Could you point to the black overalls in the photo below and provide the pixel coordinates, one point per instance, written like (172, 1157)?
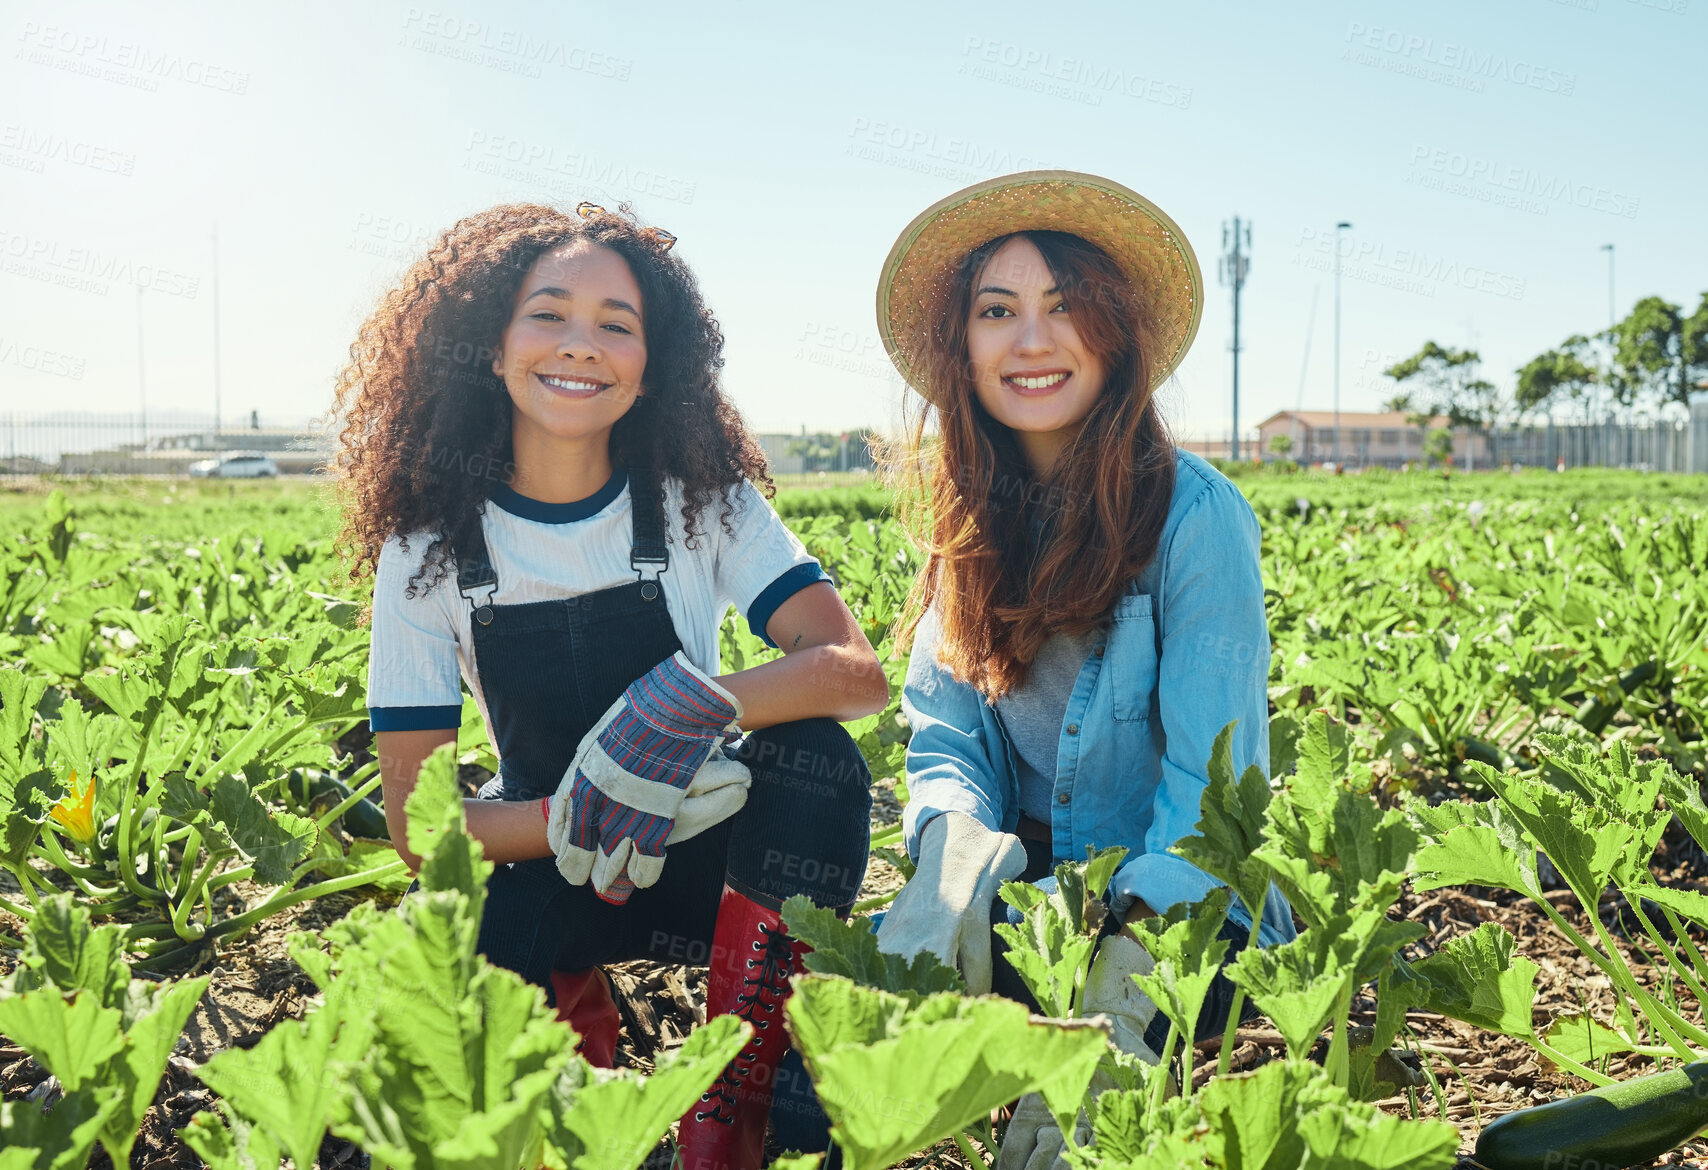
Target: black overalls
(548, 671)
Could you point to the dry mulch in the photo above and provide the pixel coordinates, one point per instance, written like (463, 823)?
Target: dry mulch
(255, 984)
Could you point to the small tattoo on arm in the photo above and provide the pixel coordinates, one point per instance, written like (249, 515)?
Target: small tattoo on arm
(796, 642)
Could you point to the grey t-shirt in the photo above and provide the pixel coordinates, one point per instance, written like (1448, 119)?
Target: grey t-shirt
(1032, 714)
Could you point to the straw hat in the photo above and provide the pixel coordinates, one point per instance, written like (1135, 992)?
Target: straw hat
(1147, 245)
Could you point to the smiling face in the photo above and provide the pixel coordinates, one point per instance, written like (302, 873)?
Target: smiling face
(1030, 368)
(574, 352)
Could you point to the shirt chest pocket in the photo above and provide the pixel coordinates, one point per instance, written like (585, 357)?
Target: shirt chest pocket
(1131, 666)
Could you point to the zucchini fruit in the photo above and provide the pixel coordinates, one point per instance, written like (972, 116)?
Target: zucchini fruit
(362, 819)
(1608, 1129)
(1596, 711)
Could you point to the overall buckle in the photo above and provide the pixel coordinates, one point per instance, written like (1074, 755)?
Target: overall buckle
(640, 562)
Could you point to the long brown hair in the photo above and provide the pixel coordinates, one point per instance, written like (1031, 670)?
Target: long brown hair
(426, 423)
(975, 505)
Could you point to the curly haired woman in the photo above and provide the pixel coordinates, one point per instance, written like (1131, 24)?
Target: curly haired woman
(1090, 612)
(556, 501)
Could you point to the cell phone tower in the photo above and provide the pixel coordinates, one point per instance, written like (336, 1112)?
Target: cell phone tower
(1235, 263)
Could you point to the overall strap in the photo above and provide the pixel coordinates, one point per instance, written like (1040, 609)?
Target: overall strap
(648, 548)
(475, 574)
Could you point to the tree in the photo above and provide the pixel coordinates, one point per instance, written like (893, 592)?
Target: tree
(1439, 446)
(1449, 385)
(1281, 445)
(1659, 352)
(1557, 374)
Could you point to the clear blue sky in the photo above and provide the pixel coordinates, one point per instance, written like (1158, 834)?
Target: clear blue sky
(1484, 150)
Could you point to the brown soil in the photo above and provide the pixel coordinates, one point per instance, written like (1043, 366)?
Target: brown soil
(254, 984)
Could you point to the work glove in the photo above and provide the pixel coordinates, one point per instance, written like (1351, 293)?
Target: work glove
(945, 906)
(1034, 1140)
(617, 805)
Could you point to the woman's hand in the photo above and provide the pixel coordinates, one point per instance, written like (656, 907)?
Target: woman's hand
(618, 801)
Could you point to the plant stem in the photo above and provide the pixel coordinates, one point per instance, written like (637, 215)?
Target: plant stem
(1669, 953)
(26, 882)
(874, 903)
(54, 855)
(1662, 1017)
(1159, 1087)
(283, 901)
(187, 930)
(1225, 1060)
(347, 803)
(1337, 1064)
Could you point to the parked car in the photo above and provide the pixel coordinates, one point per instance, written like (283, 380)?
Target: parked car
(236, 465)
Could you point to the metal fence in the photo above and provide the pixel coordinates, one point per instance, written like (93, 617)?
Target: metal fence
(1665, 445)
(164, 442)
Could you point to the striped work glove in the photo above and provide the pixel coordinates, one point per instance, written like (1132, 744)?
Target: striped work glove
(620, 797)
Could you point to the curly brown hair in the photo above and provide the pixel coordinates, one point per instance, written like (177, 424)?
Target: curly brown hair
(1001, 592)
(426, 423)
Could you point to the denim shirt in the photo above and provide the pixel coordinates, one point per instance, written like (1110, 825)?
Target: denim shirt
(1186, 651)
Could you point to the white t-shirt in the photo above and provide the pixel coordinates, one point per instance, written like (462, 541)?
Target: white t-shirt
(421, 646)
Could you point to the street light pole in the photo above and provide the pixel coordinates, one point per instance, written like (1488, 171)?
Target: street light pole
(1601, 422)
(216, 332)
(1235, 264)
(141, 381)
(1338, 228)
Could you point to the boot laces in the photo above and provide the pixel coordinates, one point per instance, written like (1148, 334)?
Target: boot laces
(776, 963)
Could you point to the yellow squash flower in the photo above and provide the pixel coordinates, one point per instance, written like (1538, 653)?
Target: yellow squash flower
(76, 812)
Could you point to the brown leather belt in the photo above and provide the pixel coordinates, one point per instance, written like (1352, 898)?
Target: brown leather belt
(1032, 830)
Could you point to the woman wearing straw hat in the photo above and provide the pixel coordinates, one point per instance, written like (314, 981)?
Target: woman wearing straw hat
(1090, 612)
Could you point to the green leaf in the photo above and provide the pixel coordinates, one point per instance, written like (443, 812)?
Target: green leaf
(1584, 1040)
(1254, 1116)
(273, 839)
(1230, 828)
(239, 1146)
(57, 1140)
(896, 1078)
(149, 1040)
(1585, 843)
(850, 949)
(75, 1039)
(64, 949)
(1478, 978)
(1331, 847)
(1187, 955)
(25, 809)
(1688, 904)
(435, 813)
(1049, 954)
(1476, 845)
(617, 1120)
(1298, 984)
(1350, 1136)
(20, 695)
(287, 1084)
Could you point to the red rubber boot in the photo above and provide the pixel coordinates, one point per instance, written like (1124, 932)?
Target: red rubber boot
(752, 959)
(584, 1002)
